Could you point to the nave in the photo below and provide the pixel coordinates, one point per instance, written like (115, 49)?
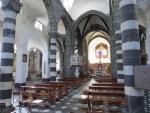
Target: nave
(77, 100)
(42, 41)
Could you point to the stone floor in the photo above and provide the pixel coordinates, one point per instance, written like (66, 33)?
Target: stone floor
(68, 104)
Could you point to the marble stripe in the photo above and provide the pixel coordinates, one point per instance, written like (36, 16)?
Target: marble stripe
(52, 60)
(119, 42)
(5, 85)
(6, 62)
(131, 91)
(8, 40)
(117, 31)
(119, 61)
(7, 55)
(120, 72)
(63, 107)
(5, 94)
(119, 52)
(53, 52)
(126, 2)
(6, 101)
(53, 40)
(130, 24)
(128, 70)
(7, 48)
(10, 14)
(6, 77)
(131, 54)
(120, 80)
(8, 32)
(6, 69)
(52, 64)
(130, 35)
(52, 56)
(10, 20)
(120, 66)
(129, 80)
(8, 25)
(53, 47)
(53, 69)
(134, 45)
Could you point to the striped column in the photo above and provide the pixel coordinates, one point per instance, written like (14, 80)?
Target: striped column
(118, 42)
(131, 54)
(53, 72)
(11, 8)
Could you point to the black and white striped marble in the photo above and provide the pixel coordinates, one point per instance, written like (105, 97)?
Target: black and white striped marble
(7, 53)
(131, 54)
(53, 45)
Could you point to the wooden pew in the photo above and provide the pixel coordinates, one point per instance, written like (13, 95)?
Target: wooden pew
(38, 92)
(100, 94)
(60, 88)
(99, 88)
(72, 82)
(106, 79)
(107, 84)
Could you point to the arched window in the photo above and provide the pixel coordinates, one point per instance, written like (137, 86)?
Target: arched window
(142, 44)
(38, 25)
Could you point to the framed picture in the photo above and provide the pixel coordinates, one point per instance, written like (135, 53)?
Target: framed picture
(24, 58)
(75, 60)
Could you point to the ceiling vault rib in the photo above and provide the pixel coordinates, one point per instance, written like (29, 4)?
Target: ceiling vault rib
(86, 24)
(104, 23)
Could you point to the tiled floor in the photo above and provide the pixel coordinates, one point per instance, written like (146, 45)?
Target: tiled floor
(68, 104)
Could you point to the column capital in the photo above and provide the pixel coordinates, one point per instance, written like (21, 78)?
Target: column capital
(12, 4)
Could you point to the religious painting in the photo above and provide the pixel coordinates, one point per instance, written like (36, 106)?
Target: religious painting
(101, 51)
(24, 58)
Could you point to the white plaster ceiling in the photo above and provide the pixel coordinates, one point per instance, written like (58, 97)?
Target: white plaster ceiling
(36, 8)
(80, 7)
(75, 7)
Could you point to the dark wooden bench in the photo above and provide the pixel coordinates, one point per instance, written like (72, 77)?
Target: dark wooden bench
(99, 88)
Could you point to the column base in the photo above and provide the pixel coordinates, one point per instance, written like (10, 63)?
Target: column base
(18, 85)
(136, 104)
(52, 78)
(45, 79)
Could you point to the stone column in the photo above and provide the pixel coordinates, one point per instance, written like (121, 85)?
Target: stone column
(53, 72)
(67, 56)
(11, 8)
(131, 54)
(113, 56)
(118, 43)
(80, 52)
(61, 63)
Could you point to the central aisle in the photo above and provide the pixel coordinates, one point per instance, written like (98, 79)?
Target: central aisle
(69, 103)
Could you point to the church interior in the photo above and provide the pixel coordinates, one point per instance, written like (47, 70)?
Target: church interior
(74, 56)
